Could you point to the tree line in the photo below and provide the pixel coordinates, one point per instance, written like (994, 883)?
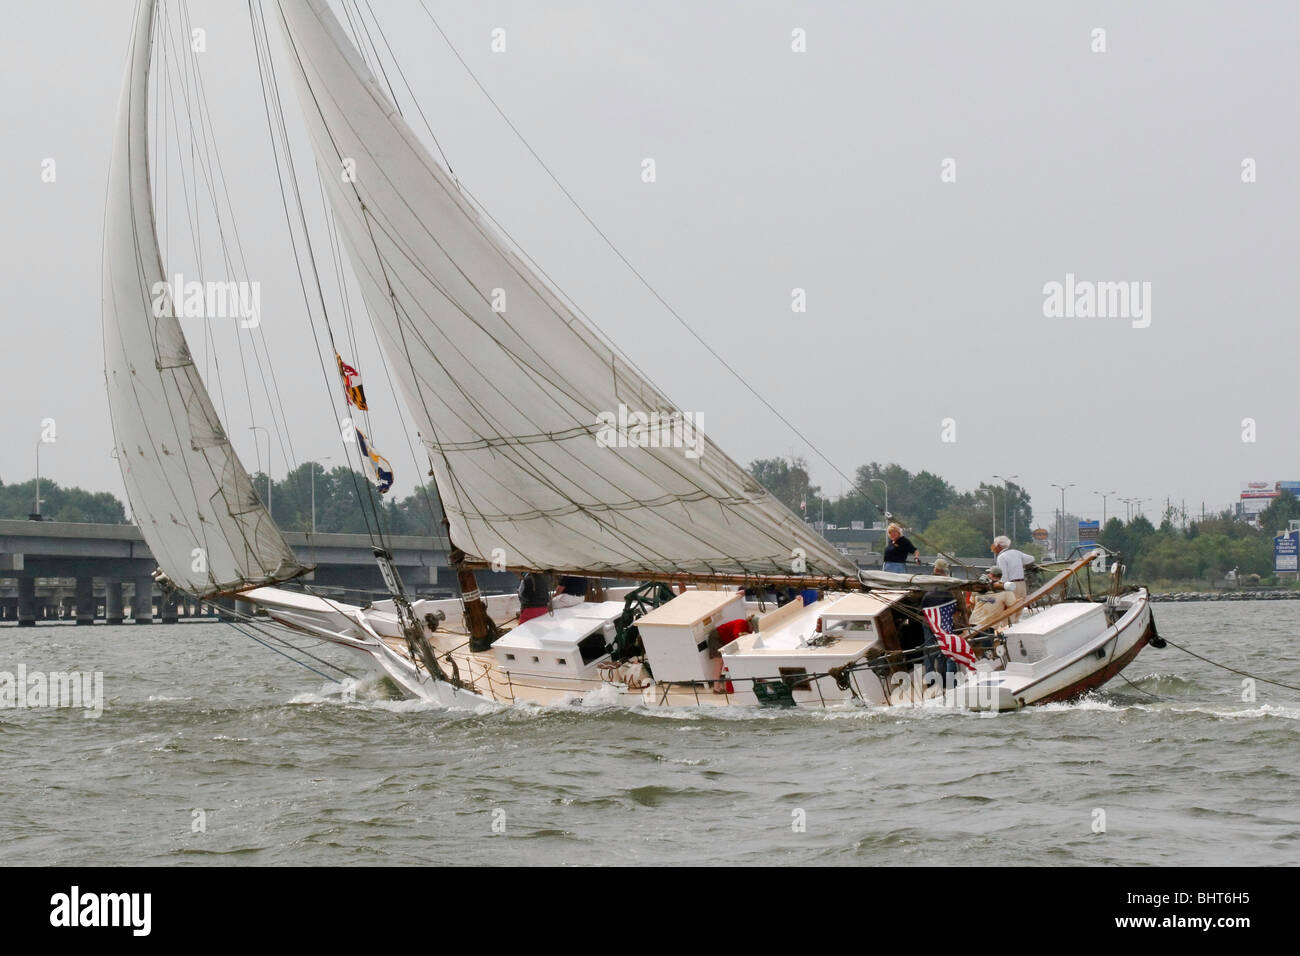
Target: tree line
(941, 518)
(339, 496)
(958, 522)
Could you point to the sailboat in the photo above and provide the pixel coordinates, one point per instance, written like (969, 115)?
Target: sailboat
(512, 393)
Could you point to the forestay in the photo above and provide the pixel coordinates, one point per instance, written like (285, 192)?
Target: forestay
(507, 385)
(190, 495)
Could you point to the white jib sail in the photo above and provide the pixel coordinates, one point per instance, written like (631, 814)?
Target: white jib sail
(191, 497)
(532, 423)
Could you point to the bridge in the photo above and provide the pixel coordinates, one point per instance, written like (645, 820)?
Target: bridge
(52, 571)
(60, 570)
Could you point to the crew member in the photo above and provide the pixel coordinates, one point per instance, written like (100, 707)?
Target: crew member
(936, 662)
(1013, 564)
(992, 603)
(571, 590)
(534, 596)
(899, 550)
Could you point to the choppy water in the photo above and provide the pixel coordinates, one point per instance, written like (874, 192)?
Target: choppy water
(285, 770)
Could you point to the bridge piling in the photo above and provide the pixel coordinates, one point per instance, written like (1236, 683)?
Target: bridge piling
(142, 600)
(85, 599)
(113, 602)
(26, 601)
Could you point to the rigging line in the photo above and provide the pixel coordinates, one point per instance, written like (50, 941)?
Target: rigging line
(378, 60)
(1141, 690)
(340, 274)
(190, 186)
(212, 180)
(435, 514)
(216, 174)
(240, 630)
(356, 34)
(271, 97)
(1262, 680)
(216, 207)
(627, 262)
(285, 643)
(250, 621)
(375, 504)
(409, 91)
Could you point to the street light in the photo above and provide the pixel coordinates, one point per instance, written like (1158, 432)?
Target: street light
(36, 515)
(993, 507)
(1006, 482)
(1104, 496)
(886, 484)
(1061, 536)
(313, 490)
(257, 451)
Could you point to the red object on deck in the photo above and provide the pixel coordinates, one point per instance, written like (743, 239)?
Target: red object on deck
(528, 613)
(730, 630)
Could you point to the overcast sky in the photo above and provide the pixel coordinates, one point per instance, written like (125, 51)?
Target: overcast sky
(776, 170)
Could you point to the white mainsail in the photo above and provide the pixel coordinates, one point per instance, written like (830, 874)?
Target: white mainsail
(192, 499)
(507, 385)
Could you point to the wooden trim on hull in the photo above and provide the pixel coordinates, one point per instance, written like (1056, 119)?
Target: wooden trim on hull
(1093, 681)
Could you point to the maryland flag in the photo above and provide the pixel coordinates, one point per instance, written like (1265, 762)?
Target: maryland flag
(352, 386)
(378, 470)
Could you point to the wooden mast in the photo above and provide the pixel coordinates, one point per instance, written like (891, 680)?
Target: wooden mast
(482, 629)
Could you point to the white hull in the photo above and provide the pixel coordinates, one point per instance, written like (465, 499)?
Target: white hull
(1085, 655)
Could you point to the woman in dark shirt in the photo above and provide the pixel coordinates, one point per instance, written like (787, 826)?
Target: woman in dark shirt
(899, 550)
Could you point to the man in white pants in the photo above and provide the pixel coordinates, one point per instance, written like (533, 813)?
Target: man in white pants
(1012, 563)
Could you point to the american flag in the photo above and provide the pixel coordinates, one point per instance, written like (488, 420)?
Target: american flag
(953, 645)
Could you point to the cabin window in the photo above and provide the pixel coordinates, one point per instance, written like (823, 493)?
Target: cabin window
(510, 657)
(592, 647)
(560, 661)
(537, 660)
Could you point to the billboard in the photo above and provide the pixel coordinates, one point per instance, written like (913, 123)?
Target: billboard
(1259, 489)
(1286, 551)
(1088, 530)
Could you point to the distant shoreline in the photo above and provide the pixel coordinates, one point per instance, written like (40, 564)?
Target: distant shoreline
(1244, 595)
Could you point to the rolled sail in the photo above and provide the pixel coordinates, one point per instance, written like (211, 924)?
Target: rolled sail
(548, 450)
(191, 497)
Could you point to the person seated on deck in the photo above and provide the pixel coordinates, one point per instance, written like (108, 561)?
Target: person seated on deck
(992, 603)
(570, 591)
(534, 596)
(898, 550)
